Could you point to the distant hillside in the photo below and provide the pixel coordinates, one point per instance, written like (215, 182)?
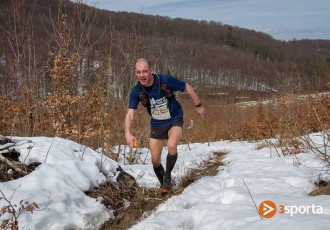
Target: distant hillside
(210, 55)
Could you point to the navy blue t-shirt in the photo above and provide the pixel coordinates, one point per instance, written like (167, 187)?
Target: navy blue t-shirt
(163, 113)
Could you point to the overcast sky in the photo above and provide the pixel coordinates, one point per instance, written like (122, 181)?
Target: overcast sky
(282, 19)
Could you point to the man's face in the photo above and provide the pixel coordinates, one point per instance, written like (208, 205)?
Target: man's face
(144, 73)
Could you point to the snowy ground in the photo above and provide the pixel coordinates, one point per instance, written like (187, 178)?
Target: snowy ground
(228, 200)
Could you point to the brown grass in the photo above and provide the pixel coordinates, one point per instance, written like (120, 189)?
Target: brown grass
(91, 120)
(323, 188)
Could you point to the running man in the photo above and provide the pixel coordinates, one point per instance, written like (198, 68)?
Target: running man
(156, 93)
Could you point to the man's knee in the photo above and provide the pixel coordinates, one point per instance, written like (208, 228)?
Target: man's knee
(172, 147)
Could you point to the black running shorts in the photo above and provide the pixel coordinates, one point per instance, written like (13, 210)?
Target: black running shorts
(162, 133)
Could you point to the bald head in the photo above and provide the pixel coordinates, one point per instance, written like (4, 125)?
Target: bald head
(143, 61)
(143, 71)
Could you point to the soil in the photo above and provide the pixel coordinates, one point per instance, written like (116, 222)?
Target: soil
(143, 201)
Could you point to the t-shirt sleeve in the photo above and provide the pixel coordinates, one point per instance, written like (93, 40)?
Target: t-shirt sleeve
(134, 98)
(174, 83)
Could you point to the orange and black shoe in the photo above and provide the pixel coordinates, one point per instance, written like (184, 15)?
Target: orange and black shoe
(166, 187)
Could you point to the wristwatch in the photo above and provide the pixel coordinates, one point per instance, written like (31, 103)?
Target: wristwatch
(199, 105)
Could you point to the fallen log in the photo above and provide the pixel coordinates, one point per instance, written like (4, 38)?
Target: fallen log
(15, 167)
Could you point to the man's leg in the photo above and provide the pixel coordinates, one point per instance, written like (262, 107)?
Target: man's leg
(174, 136)
(156, 147)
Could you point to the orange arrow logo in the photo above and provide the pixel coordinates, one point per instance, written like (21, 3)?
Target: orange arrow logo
(267, 209)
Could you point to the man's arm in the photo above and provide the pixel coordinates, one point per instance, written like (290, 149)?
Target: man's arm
(191, 92)
(128, 122)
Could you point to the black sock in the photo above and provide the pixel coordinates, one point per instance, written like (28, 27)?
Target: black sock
(170, 162)
(159, 171)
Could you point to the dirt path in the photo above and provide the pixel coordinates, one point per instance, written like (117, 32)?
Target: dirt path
(143, 201)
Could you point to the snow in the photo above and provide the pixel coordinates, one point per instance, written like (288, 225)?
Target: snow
(228, 200)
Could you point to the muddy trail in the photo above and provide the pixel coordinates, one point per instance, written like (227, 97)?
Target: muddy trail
(132, 204)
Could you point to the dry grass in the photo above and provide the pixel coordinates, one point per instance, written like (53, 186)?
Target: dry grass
(92, 120)
(323, 188)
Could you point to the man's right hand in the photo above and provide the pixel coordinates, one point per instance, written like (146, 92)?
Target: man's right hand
(130, 139)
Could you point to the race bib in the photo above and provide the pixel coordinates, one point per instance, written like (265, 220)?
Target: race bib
(159, 109)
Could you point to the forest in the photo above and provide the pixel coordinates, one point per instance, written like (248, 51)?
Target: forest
(66, 70)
